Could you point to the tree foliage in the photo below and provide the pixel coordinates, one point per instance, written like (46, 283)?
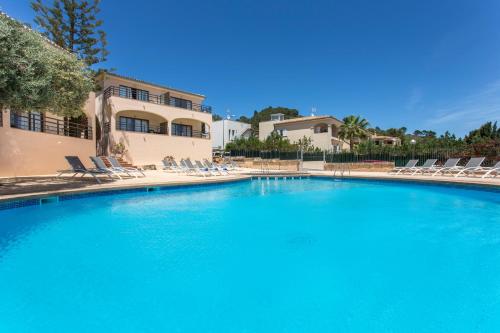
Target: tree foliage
(35, 75)
(265, 115)
(354, 127)
(73, 25)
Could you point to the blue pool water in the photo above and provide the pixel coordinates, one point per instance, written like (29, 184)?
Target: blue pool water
(259, 256)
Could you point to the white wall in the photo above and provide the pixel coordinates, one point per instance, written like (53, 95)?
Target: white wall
(225, 131)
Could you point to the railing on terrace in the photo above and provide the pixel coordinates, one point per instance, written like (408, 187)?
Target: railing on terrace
(400, 159)
(1, 117)
(156, 99)
(37, 122)
(151, 128)
(193, 134)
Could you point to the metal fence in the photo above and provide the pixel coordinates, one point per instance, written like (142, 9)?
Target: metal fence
(400, 159)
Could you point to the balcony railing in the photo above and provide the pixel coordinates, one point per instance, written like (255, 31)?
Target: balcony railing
(193, 134)
(37, 122)
(156, 99)
(150, 129)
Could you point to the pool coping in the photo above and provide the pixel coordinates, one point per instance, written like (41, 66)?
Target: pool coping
(33, 199)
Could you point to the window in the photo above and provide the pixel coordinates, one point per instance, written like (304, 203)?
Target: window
(181, 103)
(182, 130)
(128, 92)
(321, 128)
(30, 121)
(133, 124)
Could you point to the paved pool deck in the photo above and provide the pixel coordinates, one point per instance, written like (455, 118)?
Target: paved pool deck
(13, 189)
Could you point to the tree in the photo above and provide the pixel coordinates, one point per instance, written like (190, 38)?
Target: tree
(354, 127)
(487, 132)
(216, 117)
(265, 115)
(35, 75)
(73, 25)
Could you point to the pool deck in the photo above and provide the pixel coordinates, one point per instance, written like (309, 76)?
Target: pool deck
(21, 188)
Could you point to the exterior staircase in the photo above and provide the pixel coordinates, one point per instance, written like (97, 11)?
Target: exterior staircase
(123, 163)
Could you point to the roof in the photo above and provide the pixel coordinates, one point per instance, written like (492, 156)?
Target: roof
(151, 84)
(385, 137)
(307, 119)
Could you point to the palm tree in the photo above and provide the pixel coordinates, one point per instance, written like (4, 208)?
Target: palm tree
(354, 127)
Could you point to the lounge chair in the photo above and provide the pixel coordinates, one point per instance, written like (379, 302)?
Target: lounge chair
(175, 167)
(116, 165)
(407, 168)
(428, 166)
(212, 171)
(101, 166)
(449, 166)
(77, 167)
(196, 170)
(474, 164)
(223, 170)
(490, 170)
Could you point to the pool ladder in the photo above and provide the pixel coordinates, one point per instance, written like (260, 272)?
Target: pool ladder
(343, 168)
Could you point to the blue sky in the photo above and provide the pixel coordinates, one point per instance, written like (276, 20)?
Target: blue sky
(420, 64)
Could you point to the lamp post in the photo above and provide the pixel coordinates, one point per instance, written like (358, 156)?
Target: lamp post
(413, 142)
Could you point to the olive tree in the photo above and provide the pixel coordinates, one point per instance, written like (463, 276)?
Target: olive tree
(36, 75)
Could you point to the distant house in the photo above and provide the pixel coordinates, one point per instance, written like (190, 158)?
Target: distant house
(384, 140)
(226, 130)
(322, 130)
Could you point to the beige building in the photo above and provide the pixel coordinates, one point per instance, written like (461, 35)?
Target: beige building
(152, 121)
(322, 130)
(34, 143)
(384, 140)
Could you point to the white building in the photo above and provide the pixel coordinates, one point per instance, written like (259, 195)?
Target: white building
(225, 131)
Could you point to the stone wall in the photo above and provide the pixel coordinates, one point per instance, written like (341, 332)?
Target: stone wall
(361, 166)
(252, 163)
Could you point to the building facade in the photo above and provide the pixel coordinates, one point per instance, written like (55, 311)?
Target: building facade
(226, 130)
(322, 130)
(35, 143)
(151, 121)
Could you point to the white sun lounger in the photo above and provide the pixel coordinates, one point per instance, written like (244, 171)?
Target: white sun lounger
(116, 165)
(474, 164)
(410, 166)
(449, 166)
(428, 166)
(490, 170)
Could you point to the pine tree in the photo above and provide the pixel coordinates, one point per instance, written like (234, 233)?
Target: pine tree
(73, 25)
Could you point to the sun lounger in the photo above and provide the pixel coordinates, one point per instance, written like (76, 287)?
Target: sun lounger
(428, 166)
(196, 170)
(77, 168)
(449, 166)
(474, 164)
(491, 170)
(220, 169)
(407, 168)
(116, 165)
(101, 166)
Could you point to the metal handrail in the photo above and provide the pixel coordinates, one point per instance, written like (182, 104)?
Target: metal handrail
(194, 134)
(145, 96)
(151, 129)
(44, 124)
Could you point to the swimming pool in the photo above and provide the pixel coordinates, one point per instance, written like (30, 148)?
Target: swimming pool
(309, 255)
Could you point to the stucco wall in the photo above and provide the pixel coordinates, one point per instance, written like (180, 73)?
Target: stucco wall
(147, 148)
(27, 153)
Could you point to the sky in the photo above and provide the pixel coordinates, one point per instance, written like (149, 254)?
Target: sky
(420, 64)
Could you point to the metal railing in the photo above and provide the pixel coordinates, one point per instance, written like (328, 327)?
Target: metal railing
(193, 134)
(150, 129)
(156, 99)
(36, 122)
(400, 159)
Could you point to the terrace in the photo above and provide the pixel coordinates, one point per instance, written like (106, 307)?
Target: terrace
(163, 99)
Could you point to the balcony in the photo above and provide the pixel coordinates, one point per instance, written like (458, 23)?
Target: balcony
(38, 122)
(193, 134)
(145, 96)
